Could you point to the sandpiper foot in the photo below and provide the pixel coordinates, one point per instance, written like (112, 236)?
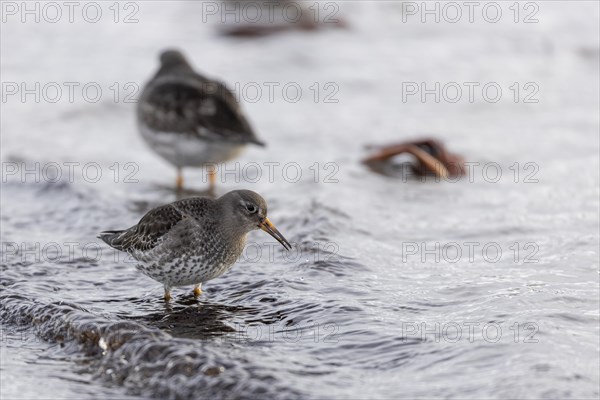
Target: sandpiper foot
(197, 290)
(212, 179)
(167, 296)
(179, 180)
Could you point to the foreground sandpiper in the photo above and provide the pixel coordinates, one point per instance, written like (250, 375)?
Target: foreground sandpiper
(189, 120)
(194, 240)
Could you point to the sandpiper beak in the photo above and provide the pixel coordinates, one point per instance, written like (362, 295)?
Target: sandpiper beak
(258, 142)
(268, 227)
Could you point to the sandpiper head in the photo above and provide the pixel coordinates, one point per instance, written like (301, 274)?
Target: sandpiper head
(248, 211)
(172, 58)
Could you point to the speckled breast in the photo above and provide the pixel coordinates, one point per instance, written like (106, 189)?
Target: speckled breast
(188, 257)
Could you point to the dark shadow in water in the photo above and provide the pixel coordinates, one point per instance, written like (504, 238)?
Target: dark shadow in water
(192, 319)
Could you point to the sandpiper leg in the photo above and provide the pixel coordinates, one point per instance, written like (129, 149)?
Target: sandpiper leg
(179, 180)
(197, 290)
(212, 177)
(167, 293)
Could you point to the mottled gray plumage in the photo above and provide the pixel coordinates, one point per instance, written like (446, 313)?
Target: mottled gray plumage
(193, 240)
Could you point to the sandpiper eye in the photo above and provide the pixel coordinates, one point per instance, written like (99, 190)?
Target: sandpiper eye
(251, 208)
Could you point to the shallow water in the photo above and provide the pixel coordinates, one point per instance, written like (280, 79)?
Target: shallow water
(366, 305)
